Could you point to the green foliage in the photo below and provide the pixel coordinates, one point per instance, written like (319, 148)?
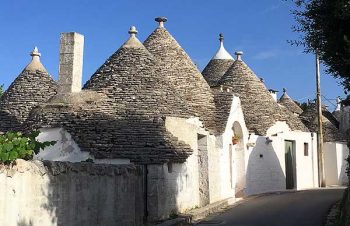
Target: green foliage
(346, 102)
(15, 145)
(1, 89)
(324, 26)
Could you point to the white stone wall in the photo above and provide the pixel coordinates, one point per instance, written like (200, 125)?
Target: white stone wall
(265, 161)
(33, 194)
(66, 149)
(178, 191)
(335, 155)
(187, 130)
(238, 152)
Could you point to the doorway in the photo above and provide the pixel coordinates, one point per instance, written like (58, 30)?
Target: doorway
(289, 147)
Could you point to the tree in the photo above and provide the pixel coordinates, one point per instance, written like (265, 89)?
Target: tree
(324, 25)
(1, 89)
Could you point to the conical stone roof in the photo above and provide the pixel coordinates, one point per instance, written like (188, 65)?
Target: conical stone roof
(259, 109)
(218, 65)
(130, 76)
(120, 112)
(31, 88)
(289, 103)
(177, 67)
(330, 132)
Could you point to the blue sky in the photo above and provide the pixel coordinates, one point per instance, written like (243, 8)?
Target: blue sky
(259, 28)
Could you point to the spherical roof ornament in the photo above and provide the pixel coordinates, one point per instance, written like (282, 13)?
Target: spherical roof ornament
(132, 31)
(161, 20)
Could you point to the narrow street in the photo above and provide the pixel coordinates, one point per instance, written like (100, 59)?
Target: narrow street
(303, 208)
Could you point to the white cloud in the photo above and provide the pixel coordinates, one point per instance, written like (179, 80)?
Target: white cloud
(266, 55)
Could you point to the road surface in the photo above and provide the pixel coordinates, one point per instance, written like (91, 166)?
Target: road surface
(302, 208)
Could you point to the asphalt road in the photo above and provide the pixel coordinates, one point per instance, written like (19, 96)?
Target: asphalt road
(302, 208)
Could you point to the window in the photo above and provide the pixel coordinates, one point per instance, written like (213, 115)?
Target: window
(306, 149)
(170, 167)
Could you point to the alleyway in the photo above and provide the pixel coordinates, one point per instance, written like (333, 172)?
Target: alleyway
(304, 208)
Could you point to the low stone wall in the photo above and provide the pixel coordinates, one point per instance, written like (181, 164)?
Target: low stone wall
(60, 193)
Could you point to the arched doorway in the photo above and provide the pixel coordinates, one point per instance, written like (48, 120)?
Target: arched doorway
(238, 159)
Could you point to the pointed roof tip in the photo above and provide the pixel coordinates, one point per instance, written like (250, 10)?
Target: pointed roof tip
(35, 52)
(133, 41)
(161, 20)
(222, 54)
(221, 37)
(35, 64)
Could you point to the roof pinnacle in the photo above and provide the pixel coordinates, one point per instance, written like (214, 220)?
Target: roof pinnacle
(161, 20)
(35, 52)
(132, 31)
(284, 90)
(239, 55)
(221, 37)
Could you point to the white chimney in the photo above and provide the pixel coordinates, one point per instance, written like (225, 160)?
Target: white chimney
(273, 94)
(71, 62)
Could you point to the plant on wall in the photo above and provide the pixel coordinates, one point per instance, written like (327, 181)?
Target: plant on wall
(235, 139)
(15, 145)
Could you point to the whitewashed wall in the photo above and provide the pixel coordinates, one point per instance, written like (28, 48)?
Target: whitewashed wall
(182, 184)
(265, 161)
(238, 152)
(66, 149)
(56, 193)
(335, 155)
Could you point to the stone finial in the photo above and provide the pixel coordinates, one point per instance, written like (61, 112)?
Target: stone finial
(284, 90)
(132, 31)
(261, 79)
(161, 20)
(221, 37)
(35, 64)
(239, 55)
(35, 52)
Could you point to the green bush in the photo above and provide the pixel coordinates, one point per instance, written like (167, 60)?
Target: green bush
(15, 145)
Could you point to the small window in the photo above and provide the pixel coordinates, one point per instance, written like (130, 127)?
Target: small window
(306, 149)
(170, 167)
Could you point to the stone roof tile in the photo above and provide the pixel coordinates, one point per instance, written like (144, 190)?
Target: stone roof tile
(259, 109)
(289, 103)
(330, 132)
(32, 87)
(178, 68)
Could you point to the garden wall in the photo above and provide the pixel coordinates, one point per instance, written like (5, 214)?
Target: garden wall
(60, 193)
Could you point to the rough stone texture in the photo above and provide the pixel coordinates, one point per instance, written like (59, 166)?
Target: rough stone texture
(70, 194)
(223, 100)
(177, 67)
(121, 112)
(71, 62)
(215, 69)
(203, 164)
(289, 103)
(260, 110)
(330, 132)
(30, 89)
